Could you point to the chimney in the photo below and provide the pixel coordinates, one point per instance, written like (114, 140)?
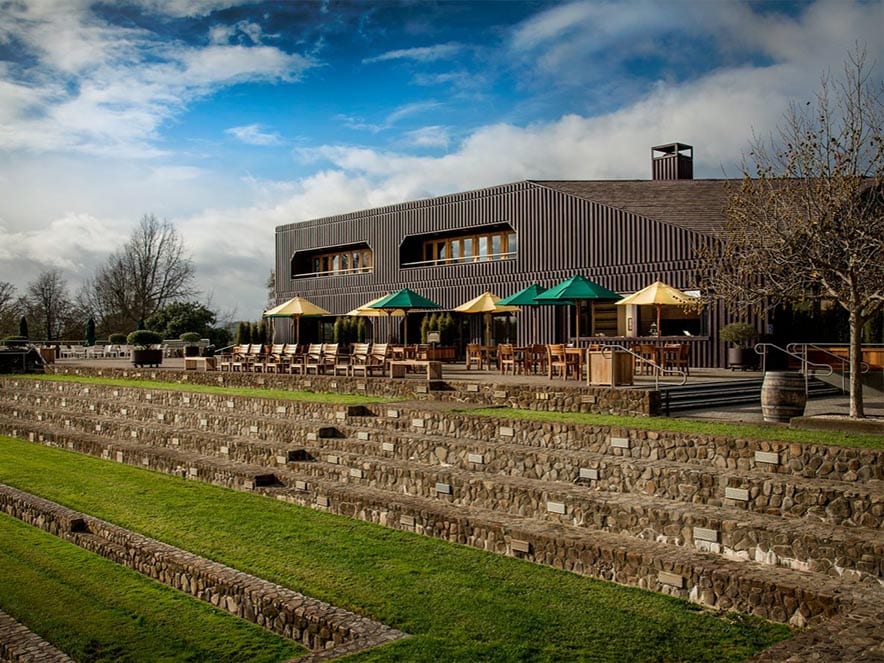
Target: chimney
(674, 161)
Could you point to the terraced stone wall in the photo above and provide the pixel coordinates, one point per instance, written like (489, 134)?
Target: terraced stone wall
(577, 398)
(316, 625)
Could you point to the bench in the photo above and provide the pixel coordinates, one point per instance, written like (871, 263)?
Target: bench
(199, 363)
(399, 367)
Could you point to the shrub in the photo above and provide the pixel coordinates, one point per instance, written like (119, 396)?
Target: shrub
(738, 333)
(143, 338)
(116, 339)
(190, 338)
(14, 340)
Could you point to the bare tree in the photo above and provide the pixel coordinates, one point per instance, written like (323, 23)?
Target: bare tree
(48, 302)
(808, 217)
(9, 310)
(150, 271)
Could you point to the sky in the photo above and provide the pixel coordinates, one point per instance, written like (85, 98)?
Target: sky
(231, 118)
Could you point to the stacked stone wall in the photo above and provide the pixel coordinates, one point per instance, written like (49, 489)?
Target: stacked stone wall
(599, 400)
(314, 624)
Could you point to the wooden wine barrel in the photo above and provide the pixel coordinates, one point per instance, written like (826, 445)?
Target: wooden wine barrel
(783, 396)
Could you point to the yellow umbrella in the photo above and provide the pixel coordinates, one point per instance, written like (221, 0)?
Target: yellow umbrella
(486, 303)
(366, 310)
(659, 294)
(295, 308)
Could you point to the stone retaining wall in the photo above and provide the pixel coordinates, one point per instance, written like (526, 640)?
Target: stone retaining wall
(576, 398)
(314, 624)
(18, 644)
(725, 453)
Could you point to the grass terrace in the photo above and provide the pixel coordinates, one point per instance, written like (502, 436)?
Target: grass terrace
(458, 603)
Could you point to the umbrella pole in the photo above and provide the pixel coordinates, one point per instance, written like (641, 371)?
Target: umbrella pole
(659, 331)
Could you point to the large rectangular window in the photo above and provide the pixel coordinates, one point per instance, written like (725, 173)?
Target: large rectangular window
(346, 260)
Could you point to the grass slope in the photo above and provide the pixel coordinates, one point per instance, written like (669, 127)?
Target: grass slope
(95, 610)
(459, 604)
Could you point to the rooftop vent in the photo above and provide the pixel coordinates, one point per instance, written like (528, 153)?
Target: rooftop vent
(674, 161)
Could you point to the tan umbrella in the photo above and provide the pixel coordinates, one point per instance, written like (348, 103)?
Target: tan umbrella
(659, 294)
(486, 303)
(295, 308)
(366, 310)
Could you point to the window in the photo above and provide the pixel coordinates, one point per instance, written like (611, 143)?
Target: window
(346, 260)
(484, 244)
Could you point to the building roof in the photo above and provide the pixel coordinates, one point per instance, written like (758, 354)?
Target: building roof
(696, 205)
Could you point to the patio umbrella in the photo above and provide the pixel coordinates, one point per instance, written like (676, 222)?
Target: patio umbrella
(527, 297)
(296, 308)
(488, 304)
(366, 311)
(578, 289)
(659, 294)
(406, 300)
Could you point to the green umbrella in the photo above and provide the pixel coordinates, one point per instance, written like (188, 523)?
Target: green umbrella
(405, 300)
(526, 297)
(577, 289)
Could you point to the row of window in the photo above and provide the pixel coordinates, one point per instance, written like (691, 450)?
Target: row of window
(342, 262)
(471, 248)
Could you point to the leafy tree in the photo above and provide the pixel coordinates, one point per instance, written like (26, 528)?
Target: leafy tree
(808, 217)
(150, 271)
(180, 317)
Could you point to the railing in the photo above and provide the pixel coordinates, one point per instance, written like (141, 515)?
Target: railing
(460, 260)
(801, 349)
(806, 364)
(658, 370)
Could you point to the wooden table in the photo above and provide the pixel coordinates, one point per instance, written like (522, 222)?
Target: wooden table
(200, 363)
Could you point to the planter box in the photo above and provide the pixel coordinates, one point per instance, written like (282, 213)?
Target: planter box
(147, 357)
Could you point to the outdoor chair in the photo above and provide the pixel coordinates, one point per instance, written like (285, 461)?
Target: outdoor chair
(359, 359)
(378, 358)
(293, 358)
(506, 358)
(329, 357)
(475, 356)
(648, 353)
(313, 359)
(560, 362)
(273, 360)
(677, 355)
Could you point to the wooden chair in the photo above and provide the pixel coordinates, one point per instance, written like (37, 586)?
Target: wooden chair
(359, 359)
(240, 360)
(329, 357)
(273, 361)
(557, 360)
(341, 364)
(313, 359)
(506, 358)
(535, 359)
(648, 352)
(475, 357)
(292, 358)
(378, 358)
(677, 355)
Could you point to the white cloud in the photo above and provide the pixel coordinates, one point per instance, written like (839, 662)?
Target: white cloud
(435, 136)
(103, 89)
(252, 134)
(418, 54)
(392, 119)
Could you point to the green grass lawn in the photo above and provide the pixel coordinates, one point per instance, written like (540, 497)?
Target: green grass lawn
(458, 603)
(95, 610)
(189, 387)
(743, 431)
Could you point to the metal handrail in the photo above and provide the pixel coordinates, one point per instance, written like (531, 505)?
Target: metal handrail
(800, 348)
(662, 370)
(805, 364)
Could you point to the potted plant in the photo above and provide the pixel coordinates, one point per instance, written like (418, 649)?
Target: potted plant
(143, 354)
(740, 335)
(191, 344)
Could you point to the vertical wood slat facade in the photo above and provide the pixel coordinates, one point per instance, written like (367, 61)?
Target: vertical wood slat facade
(559, 234)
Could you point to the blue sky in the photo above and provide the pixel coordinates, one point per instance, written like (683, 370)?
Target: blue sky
(230, 118)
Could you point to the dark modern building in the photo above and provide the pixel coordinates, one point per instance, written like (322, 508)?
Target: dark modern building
(622, 234)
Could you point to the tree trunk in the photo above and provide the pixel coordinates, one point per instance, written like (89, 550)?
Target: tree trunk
(856, 356)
